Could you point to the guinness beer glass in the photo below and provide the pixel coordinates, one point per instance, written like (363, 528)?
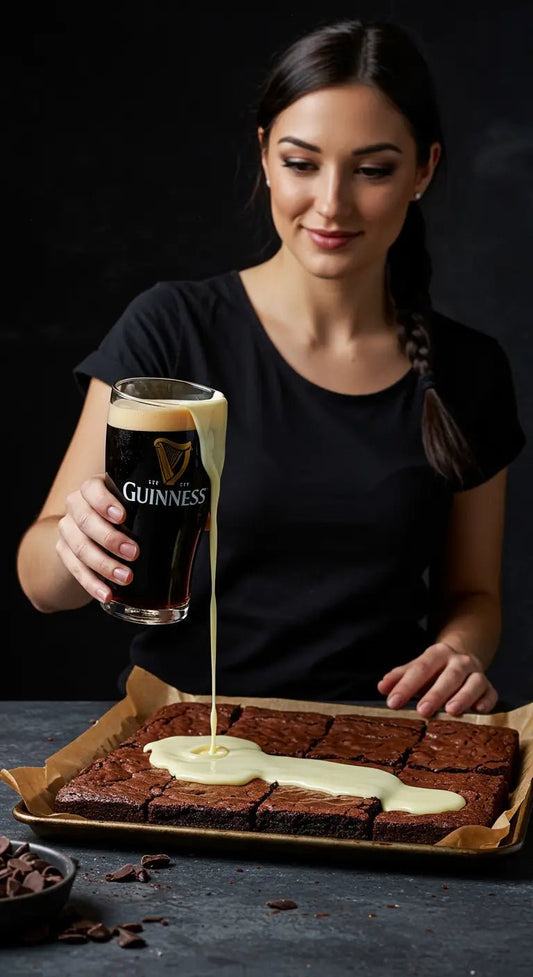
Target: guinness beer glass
(154, 467)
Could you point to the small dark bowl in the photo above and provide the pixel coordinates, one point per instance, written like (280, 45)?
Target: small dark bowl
(20, 913)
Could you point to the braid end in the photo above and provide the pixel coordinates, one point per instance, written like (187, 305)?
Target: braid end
(446, 449)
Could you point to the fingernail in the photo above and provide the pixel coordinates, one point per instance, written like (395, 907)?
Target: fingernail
(128, 550)
(425, 708)
(114, 513)
(453, 707)
(101, 594)
(121, 573)
(393, 701)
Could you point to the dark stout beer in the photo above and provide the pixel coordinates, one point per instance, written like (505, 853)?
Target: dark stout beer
(168, 516)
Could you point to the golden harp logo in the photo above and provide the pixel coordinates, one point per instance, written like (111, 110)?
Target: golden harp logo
(173, 458)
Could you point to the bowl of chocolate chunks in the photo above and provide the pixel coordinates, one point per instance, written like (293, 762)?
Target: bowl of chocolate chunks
(35, 883)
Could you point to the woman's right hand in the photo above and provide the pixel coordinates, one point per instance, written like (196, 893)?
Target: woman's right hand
(90, 544)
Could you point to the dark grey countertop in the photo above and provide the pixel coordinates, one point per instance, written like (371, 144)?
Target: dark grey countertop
(372, 915)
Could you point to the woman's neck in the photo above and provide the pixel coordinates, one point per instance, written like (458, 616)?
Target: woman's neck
(329, 311)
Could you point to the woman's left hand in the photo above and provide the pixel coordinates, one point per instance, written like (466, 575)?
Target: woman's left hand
(444, 678)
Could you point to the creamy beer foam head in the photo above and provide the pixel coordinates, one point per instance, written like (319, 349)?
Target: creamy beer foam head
(162, 415)
(167, 415)
(133, 415)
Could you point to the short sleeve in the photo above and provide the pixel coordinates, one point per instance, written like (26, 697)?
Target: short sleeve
(145, 341)
(489, 418)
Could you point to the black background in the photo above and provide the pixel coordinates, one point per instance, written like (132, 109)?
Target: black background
(130, 156)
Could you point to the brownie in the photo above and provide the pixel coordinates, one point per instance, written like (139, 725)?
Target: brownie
(280, 733)
(459, 747)
(191, 805)
(114, 788)
(182, 719)
(298, 811)
(485, 799)
(367, 739)
(395, 769)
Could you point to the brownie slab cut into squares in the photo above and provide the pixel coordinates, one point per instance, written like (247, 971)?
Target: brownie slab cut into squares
(114, 788)
(298, 811)
(280, 733)
(368, 740)
(475, 760)
(182, 719)
(459, 747)
(485, 798)
(187, 804)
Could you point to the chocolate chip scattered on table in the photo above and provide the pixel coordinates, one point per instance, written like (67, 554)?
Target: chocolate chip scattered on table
(282, 904)
(130, 872)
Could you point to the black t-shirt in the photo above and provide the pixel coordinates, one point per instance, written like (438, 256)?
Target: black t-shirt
(329, 513)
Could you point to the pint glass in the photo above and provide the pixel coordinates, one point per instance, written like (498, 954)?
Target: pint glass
(154, 467)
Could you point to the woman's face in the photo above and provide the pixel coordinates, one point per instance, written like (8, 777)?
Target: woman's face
(342, 169)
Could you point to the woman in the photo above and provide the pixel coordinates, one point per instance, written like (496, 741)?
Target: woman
(362, 507)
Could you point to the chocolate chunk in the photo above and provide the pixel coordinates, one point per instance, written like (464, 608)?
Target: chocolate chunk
(99, 932)
(51, 870)
(282, 904)
(128, 939)
(41, 865)
(13, 887)
(5, 845)
(34, 881)
(52, 879)
(126, 873)
(19, 864)
(72, 936)
(21, 850)
(142, 875)
(155, 861)
(131, 927)
(82, 924)
(152, 919)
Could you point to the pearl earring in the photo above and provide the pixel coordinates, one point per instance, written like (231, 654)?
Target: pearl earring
(268, 183)
(418, 196)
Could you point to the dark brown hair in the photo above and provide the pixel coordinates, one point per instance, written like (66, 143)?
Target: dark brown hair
(384, 56)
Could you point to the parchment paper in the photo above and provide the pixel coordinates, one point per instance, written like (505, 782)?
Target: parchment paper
(145, 694)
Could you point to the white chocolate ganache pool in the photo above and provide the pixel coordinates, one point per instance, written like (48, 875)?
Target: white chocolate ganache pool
(238, 761)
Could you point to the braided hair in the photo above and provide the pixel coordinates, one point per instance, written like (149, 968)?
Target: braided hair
(409, 274)
(383, 56)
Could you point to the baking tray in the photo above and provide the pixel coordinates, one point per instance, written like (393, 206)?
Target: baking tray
(255, 842)
(36, 787)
